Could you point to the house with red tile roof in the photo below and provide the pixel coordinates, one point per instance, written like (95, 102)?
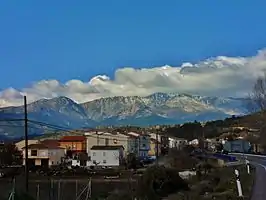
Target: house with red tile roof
(73, 143)
(43, 155)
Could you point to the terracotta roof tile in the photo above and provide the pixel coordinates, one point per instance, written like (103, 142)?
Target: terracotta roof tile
(75, 138)
(42, 146)
(51, 143)
(99, 147)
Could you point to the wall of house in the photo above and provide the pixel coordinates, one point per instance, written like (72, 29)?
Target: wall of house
(106, 139)
(38, 162)
(106, 157)
(133, 145)
(176, 143)
(75, 146)
(55, 156)
(21, 144)
(237, 146)
(153, 136)
(144, 145)
(41, 153)
(153, 149)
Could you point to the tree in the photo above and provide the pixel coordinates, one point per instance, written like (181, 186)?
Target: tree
(257, 102)
(10, 155)
(132, 161)
(258, 95)
(219, 147)
(159, 181)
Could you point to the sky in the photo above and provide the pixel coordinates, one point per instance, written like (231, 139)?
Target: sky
(91, 49)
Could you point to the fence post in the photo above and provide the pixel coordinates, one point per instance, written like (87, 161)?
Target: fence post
(238, 183)
(248, 166)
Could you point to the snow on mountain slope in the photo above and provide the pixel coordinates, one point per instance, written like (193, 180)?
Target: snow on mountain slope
(161, 104)
(158, 108)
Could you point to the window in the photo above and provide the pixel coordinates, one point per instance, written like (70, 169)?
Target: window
(33, 152)
(143, 145)
(106, 141)
(104, 161)
(94, 153)
(104, 153)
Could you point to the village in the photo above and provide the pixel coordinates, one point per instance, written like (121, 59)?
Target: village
(104, 162)
(101, 148)
(120, 156)
(97, 148)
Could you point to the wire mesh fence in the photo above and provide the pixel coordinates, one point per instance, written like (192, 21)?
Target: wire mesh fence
(63, 189)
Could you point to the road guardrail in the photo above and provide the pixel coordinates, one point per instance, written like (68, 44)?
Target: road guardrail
(247, 154)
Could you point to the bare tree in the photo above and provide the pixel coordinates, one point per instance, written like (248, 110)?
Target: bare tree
(257, 98)
(257, 103)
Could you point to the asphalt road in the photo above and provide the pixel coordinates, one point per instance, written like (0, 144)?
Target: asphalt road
(259, 188)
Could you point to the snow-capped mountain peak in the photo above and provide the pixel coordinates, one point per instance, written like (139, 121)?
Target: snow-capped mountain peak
(157, 108)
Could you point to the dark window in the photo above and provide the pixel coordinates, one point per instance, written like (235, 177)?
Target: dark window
(33, 152)
(106, 141)
(104, 161)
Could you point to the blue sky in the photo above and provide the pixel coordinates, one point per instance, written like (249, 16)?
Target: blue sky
(66, 40)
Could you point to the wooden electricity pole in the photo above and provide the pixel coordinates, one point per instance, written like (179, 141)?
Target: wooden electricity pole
(26, 146)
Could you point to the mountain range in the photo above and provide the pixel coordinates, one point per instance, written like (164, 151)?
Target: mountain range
(158, 108)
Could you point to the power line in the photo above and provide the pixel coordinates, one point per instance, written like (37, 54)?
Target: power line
(60, 128)
(10, 120)
(54, 127)
(16, 126)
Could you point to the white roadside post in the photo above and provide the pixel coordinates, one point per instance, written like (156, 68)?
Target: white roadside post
(238, 184)
(248, 166)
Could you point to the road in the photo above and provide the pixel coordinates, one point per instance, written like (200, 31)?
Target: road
(259, 188)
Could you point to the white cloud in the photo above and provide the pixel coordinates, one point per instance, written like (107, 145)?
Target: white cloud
(219, 76)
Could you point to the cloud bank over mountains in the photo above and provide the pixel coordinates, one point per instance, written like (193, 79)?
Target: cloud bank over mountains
(218, 76)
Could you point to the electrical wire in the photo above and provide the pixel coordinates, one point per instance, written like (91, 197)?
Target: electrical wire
(11, 120)
(55, 127)
(60, 128)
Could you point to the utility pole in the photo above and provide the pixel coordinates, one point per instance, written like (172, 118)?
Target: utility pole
(157, 145)
(26, 145)
(98, 139)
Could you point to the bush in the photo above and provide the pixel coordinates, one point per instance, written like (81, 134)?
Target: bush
(158, 182)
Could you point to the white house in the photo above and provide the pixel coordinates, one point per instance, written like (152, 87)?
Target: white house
(108, 156)
(194, 142)
(21, 144)
(43, 155)
(175, 142)
(105, 139)
(154, 136)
